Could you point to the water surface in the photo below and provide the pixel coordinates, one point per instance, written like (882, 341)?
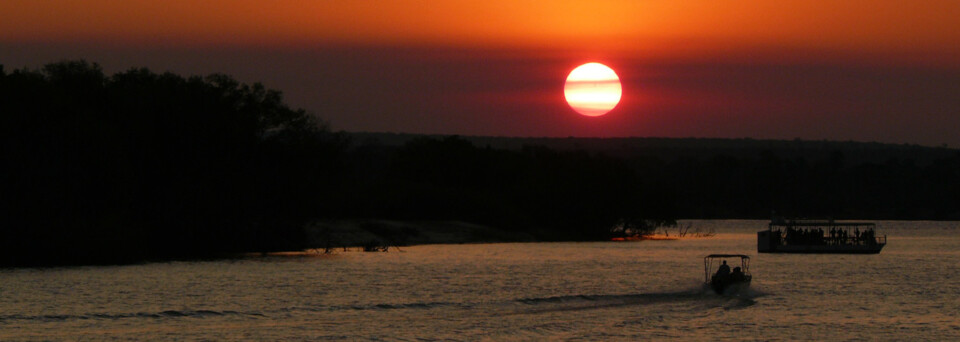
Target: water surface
(515, 291)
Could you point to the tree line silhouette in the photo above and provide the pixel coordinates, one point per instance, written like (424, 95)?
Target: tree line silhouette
(895, 189)
(553, 195)
(140, 166)
(590, 192)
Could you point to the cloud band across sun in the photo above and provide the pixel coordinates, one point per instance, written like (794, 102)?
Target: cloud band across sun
(593, 89)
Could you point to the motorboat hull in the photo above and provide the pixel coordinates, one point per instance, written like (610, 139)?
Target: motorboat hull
(729, 286)
(814, 249)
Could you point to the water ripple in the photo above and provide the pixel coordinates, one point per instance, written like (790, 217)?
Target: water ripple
(116, 316)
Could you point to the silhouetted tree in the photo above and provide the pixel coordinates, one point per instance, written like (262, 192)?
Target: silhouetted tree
(142, 165)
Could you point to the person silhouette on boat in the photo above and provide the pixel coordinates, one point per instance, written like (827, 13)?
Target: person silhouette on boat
(737, 275)
(724, 270)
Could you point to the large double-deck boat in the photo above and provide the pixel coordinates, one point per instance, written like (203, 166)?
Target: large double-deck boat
(819, 236)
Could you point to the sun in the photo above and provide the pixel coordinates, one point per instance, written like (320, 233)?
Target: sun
(592, 89)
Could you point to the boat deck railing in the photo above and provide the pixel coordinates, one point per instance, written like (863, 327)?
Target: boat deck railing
(808, 238)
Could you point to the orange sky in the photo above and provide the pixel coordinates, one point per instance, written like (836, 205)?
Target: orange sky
(868, 70)
(921, 29)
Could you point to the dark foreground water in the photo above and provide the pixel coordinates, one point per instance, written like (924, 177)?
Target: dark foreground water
(530, 291)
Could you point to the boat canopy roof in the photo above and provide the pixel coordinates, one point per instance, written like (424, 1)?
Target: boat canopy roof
(727, 256)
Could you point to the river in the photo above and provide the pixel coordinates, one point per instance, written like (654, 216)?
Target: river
(636, 290)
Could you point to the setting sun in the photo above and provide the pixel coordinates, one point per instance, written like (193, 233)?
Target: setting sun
(592, 89)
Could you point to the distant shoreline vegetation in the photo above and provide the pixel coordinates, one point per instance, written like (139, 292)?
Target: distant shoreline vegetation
(713, 178)
(141, 166)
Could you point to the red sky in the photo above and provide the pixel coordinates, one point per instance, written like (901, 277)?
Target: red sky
(842, 70)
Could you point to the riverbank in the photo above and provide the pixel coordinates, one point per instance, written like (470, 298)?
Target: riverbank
(373, 233)
(376, 234)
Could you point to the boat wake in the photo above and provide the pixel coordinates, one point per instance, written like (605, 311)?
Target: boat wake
(695, 298)
(116, 316)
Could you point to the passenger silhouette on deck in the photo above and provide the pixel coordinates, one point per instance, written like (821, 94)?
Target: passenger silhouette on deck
(737, 275)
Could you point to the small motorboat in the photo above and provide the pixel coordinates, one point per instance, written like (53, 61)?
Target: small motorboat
(724, 280)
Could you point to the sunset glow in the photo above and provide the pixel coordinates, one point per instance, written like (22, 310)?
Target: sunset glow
(871, 70)
(656, 27)
(592, 89)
